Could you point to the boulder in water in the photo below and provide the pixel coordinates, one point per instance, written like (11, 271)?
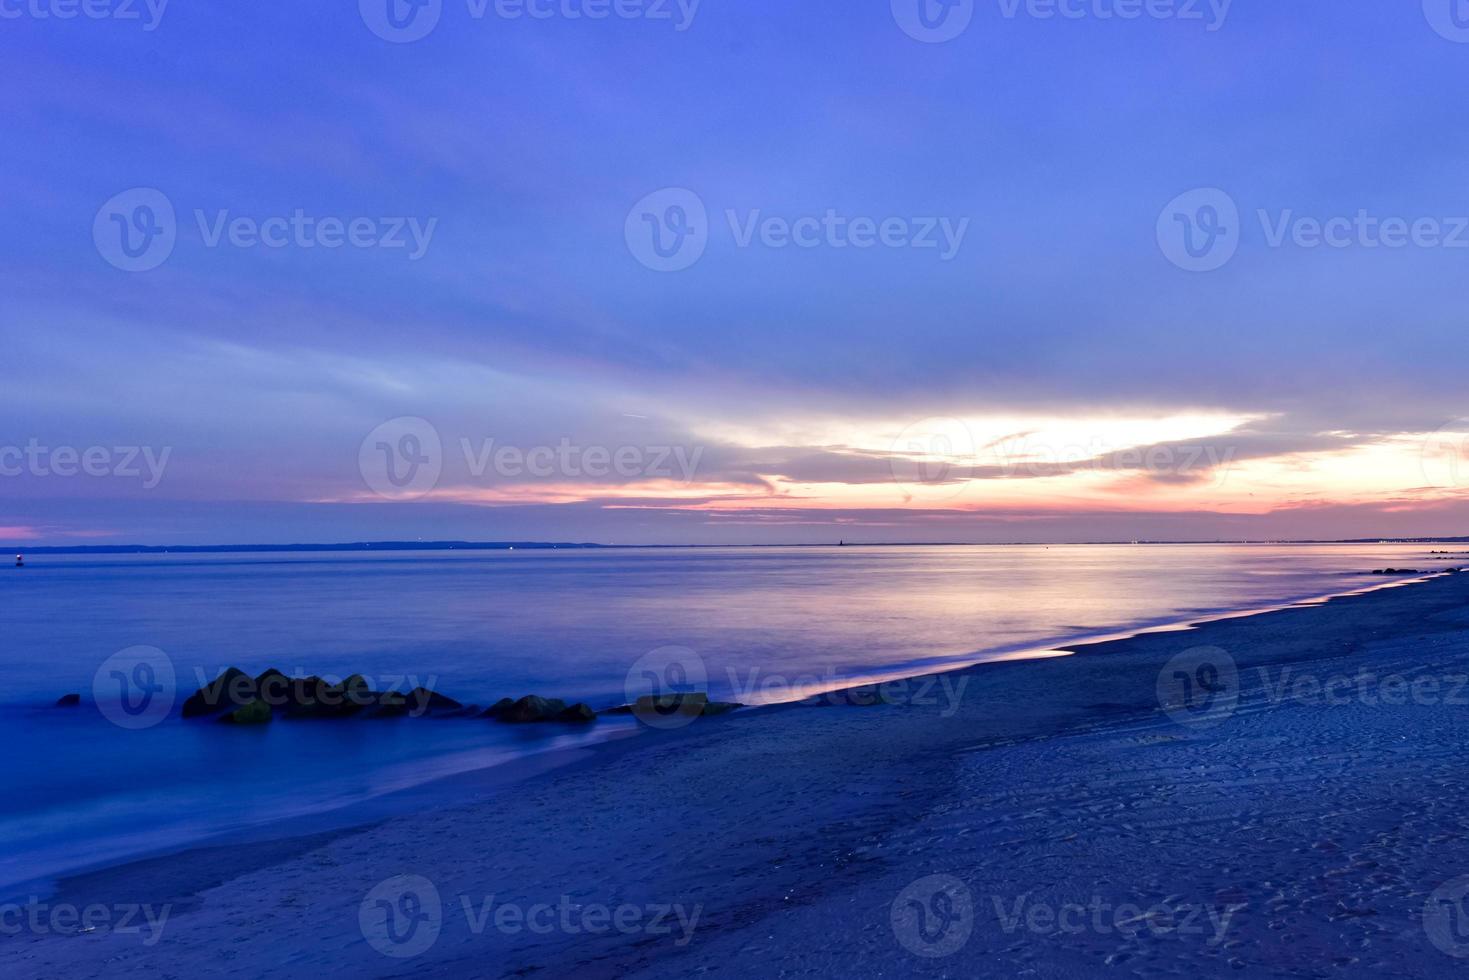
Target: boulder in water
(232, 689)
(579, 713)
(257, 712)
(532, 708)
(499, 708)
(422, 701)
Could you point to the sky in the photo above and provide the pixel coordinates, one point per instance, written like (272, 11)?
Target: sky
(651, 271)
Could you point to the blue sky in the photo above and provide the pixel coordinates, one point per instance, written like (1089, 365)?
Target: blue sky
(521, 145)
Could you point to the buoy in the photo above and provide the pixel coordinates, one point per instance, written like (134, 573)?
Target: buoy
(20, 561)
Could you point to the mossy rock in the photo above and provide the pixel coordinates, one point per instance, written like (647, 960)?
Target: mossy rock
(255, 713)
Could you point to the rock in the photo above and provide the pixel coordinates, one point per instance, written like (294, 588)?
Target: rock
(579, 713)
(315, 698)
(305, 697)
(690, 705)
(499, 708)
(391, 704)
(68, 701)
(273, 687)
(232, 689)
(532, 709)
(257, 712)
(421, 701)
(345, 699)
(693, 704)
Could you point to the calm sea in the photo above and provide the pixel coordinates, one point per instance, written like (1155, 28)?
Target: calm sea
(481, 625)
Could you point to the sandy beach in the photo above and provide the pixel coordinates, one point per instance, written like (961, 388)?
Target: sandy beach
(1048, 818)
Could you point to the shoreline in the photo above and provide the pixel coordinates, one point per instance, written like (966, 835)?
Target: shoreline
(793, 821)
(464, 785)
(459, 788)
(181, 874)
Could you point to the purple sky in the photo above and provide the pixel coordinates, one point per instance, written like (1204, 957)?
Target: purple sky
(988, 317)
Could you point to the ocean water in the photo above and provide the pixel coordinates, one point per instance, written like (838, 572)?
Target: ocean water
(749, 624)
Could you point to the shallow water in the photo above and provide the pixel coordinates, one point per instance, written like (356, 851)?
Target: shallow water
(759, 624)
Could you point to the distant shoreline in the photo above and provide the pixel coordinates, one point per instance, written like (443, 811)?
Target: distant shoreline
(391, 546)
